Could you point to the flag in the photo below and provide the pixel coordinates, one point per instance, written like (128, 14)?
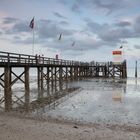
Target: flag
(73, 43)
(121, 47)
(60, 37)
(32, 23)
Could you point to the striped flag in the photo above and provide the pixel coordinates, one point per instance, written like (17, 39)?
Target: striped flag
(32, 23)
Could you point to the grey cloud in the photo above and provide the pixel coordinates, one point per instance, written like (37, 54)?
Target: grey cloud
(116, 34)
(63, 23)
(59, 15)
(107, 34)
(48, 31)
(66, 45)
(52, 30)
(1, 32)
(28, 40)
(21, 27)
(9, 20)
(111, 33)
(137, 46)
(95, 27)
(18, 27)
(108, 6)
(137, 24)
(73, 53)
(63, 2)
(123, 24)
(76, 8)
(17, 39)
(44, 21)
(44, 29)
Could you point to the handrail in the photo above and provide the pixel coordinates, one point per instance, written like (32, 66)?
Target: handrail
(34, 59)
(8, 58)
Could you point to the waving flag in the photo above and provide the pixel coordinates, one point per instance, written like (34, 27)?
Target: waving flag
(60, 37)
(73, 43)
(32, 23)
(121, 47)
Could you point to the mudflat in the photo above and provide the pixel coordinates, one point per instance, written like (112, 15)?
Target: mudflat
(20, 127)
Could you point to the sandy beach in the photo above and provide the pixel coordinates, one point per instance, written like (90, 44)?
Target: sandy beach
(89, 114)
(19, 127)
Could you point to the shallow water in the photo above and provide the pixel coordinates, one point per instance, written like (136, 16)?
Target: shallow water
(101, 101)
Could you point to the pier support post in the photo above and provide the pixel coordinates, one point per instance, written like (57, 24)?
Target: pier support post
(66, 73)
(48, 81)
(55, 75)
(27, 88)
(52, 79)
(75, 73)
(60, 77)
(7, 88)
(40, 82)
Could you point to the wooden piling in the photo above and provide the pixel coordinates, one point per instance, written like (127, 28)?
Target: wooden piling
(27, 88)
(7, 88)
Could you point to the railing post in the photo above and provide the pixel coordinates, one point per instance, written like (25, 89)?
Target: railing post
(19, 58)
(8, 58)
(29, 59)
(42, 60)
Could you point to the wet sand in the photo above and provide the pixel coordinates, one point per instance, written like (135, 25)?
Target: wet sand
(101, 110)
(14, 127)
(102, 101)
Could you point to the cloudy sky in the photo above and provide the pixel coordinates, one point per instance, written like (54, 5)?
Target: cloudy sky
(94, 27)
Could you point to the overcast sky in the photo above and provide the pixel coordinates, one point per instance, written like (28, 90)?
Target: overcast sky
(96, 26)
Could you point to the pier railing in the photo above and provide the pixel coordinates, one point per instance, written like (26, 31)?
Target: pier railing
(20, 59)
(6, 57)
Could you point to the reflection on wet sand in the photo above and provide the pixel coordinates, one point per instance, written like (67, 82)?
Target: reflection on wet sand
(49, 96)
(117, 96)
(117, 93)
(100, 101)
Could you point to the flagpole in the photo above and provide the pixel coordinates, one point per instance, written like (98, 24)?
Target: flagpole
(32, 27)
(33, 42)
(136, 69)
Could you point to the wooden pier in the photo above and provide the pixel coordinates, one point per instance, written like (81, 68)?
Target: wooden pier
(49, 70)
